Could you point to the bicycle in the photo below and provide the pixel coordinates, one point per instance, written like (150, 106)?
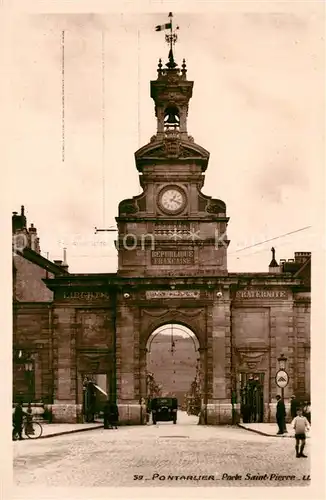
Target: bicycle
(33, 430)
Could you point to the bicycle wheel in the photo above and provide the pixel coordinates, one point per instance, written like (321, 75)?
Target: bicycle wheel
(37, 430)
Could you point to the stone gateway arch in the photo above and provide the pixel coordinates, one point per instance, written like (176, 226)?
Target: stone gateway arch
(172, 268)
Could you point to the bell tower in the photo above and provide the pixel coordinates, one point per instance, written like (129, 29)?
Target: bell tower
(172, 228)
(171, 93)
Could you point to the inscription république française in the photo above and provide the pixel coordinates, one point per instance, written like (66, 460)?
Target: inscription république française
(172, 257)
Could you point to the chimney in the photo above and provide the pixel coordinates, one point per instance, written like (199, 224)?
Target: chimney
(274, 268)
(33, 239)
(64, 263)
(301, 257)
(18, 221)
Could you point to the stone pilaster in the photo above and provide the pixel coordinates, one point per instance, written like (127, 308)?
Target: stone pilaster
(302, 316)
(282, 342)
(219, 409)
(64, 406)
(125, 352)
(127, 367)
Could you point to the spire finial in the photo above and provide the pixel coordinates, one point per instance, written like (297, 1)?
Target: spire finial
(159, 70)
(171, 39)
(184, 67)
(273, 261)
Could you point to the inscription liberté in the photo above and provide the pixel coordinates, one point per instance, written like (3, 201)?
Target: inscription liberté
(86, 295)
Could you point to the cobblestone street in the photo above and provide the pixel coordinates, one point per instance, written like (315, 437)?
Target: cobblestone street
(185, 454)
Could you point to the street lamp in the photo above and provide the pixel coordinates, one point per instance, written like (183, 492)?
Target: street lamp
(282, 378)
(282, 361)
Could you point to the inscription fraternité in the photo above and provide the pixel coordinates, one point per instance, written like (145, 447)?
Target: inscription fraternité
(261, 294)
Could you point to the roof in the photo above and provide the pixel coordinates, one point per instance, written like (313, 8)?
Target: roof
(159, 151)
(41, 261)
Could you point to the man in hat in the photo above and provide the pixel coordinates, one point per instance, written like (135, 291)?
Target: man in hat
(280, 415)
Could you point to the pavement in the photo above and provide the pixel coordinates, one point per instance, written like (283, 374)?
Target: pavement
(162, 455)
(266, 429)
(51, 430)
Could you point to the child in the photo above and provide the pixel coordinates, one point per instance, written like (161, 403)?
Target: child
(300, 425)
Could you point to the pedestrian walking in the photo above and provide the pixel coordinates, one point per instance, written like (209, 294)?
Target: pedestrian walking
(307, 411)
(29, 429)
(113, 415)
(18, 417)
(106, 415)
(300, 425)
(280, 415)
(148, 410)
(294, 406)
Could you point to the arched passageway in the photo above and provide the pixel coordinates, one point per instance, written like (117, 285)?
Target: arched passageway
(173, 366)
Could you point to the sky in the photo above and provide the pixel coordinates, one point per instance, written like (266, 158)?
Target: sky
(257, 107)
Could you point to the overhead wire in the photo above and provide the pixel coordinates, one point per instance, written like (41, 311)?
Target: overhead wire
(270, 239)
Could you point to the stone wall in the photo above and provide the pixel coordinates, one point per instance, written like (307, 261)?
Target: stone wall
(78, 334)
(32, 333)
(264, 329)
(251, 345)
(64, 364)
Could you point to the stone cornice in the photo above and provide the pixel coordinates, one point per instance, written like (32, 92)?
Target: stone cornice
(35, 305)
(115, 281)
(167, 219)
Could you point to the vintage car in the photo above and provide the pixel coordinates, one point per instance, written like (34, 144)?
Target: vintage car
(164, 409)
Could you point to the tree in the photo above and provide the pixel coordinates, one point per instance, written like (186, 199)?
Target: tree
(154, 390)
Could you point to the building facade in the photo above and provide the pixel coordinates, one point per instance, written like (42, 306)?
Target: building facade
(172, 268)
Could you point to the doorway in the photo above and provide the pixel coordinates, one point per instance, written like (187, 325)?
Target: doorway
(252, 397)
(96, 392)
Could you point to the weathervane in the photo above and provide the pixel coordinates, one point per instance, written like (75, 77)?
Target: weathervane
(170, 38)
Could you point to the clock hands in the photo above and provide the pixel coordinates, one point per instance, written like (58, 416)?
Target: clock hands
(172, 200)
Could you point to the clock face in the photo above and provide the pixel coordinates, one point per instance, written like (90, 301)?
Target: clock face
(172, 200)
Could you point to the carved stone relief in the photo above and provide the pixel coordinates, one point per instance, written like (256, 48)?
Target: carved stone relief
(251, 357)
(93, 362)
